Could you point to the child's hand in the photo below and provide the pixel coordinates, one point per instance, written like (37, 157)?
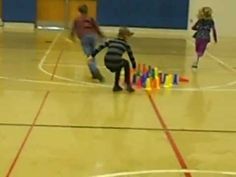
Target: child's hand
(133, 65)
(90, 59)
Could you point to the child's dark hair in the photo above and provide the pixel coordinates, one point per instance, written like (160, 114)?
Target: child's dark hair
(83, 9)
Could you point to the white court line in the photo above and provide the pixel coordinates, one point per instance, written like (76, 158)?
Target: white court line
(41, 63)
(44, 82)
(229, 173)
(71, 65)
(93, 85)
(84, 83)
(85, 66)
(218, 60)
(221, 62)
(109, 86)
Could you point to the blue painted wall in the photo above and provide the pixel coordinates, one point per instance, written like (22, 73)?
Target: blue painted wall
(144, 13)
(19, 10)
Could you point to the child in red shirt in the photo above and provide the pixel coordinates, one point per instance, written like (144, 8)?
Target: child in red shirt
(87, 30)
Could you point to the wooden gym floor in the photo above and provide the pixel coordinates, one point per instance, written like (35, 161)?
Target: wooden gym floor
(55, 121)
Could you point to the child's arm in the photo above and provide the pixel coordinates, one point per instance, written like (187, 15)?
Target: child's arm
(131, 57)
(96, 27)
(214, 33)
(99, 48)
(195, 26)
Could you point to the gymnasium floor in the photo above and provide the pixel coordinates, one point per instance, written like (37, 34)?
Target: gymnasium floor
(57, 122)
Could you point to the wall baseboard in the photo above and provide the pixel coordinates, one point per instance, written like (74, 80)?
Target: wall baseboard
(1, 23)
(18, 27)
(149, 32)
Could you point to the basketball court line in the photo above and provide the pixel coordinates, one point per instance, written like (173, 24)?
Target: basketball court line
(183, 165)
(19, 151)
(94, 85)
(117, 128)
(64, 65)
(40, 65)
(171, 140)
(168, 171)
(84, 83)
(187, 89)
(221, 62)
(216, 59)
(179, 156)
(26, 138)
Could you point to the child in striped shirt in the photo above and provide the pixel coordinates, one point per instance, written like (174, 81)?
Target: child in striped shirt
(114, 60)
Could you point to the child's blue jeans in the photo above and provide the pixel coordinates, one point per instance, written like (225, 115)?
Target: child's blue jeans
(88, 43)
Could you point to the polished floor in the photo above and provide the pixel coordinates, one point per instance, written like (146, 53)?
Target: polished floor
(55, 121)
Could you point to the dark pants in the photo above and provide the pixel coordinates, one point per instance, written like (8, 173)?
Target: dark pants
(124, 64)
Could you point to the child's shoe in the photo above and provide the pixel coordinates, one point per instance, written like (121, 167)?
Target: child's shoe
(130, 89)
(117, 88)
(195, 65)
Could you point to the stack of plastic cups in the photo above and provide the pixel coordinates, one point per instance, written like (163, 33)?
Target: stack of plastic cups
(148, 84)
(176, 79)
(168, 81)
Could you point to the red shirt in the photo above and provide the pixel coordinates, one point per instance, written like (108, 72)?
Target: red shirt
(84, 25)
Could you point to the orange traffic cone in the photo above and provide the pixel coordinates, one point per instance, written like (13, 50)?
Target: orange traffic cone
(183, 79)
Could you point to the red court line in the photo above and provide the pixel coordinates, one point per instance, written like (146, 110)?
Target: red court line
(56, 65)
(170, 138)
(27, 135)
(13, 164)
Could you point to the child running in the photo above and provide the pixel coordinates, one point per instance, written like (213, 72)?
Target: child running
(87, 30)
(203, 28)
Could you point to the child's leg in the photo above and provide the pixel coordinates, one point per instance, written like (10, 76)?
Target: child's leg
(200, 45)
(96, 74)
(117, 77)
(85, 43)
(88, 44)
(127, 71)
(117, 87)
(127, 75)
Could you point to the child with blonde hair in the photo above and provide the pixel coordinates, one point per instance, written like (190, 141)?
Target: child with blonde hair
(114, 60)
(203, 28)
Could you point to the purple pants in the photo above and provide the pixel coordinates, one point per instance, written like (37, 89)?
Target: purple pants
(201, 45)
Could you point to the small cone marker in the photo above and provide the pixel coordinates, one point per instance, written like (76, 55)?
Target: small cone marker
(139, 82)
(168, 81)
(183, 79)
(176, 79)
(148, 84)
(155, 72)
(157, 83)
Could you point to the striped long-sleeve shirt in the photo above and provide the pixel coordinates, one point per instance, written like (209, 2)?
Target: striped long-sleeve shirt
(116, 48)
